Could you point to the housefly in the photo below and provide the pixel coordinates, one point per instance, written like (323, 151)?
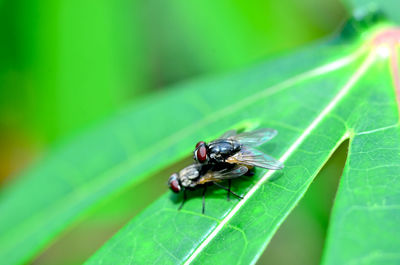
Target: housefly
(198, 175)
(238, 149)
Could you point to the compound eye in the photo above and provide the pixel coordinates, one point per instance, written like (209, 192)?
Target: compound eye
(200, 143)
(201, 154)
(175, 187)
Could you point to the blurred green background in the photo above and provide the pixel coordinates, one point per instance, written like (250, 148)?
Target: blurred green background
(67, 65)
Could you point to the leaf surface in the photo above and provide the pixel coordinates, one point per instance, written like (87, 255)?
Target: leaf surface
(315, 99)
(330, 100)
(141, 140)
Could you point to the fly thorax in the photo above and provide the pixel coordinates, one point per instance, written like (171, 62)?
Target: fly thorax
(236, 146)
(185, 182)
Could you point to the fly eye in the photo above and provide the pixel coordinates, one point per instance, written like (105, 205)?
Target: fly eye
(200, 143)
(174, 185)
(201, 153)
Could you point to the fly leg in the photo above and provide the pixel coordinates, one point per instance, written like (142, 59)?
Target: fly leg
(228, 190)
(183, 201)
(204, 200)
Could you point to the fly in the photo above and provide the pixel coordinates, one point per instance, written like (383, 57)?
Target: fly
(230, 156)
(198, 175)
(238, 149)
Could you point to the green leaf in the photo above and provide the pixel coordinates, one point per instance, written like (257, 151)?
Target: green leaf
(139, 141)
(316, 100)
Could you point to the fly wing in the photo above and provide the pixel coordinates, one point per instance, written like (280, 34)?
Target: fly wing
(256, 158)
(211, 176)
(228, 134)
(255, 138)
(190, 172)
(237, 171)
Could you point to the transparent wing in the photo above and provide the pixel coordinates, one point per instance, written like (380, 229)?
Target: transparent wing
(228, 134)
(191, 172)
(256, 158)
(255, 138)
(235, 172)
(211, 176)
